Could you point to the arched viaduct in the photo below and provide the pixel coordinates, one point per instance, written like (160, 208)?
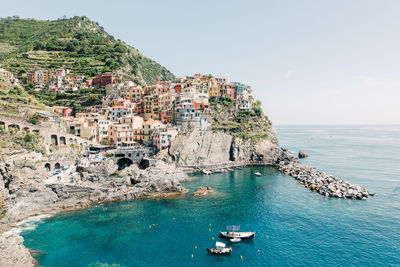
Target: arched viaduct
(52, 134)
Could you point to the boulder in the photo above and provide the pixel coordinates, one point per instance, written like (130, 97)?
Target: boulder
(302, 155)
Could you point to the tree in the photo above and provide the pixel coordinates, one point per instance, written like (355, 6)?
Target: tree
(257, 108)
(34, 121)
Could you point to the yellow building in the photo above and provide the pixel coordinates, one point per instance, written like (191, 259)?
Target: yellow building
(30, 77)
(214, 91)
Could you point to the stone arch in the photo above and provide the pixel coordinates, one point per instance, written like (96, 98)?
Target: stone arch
(62, 140)
(47, 166)
(123, 163)
(35, 131)
(26, 129)
(13, 126)
(71, 140)
(54, 140)
(57, 166)
(2, 125)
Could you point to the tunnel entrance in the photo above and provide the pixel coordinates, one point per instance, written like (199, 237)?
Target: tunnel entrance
(123, 163)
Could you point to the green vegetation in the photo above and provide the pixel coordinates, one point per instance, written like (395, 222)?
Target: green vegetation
(33, 121)
(86, 97)
(12, 98)
(250, 125)
(78, 44)
(226, 101)
(257, 108)
(20, 140)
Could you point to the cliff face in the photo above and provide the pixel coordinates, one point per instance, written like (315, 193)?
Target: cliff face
(232, 138)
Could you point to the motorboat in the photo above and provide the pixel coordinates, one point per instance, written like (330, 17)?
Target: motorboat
(207, 172)
(257, 173)
(232, 234)
(241, 235)
(220, 249)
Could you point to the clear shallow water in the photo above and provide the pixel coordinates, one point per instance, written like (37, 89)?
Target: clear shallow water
(303, 228)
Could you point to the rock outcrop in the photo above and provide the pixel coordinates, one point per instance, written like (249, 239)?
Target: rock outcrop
(233, 138)
(302, 155)
(13, 252)
(202, 191)
(198, 148)
(207, 148)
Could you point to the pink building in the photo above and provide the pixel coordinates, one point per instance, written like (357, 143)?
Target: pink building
(120, 135)
(164, 116)
(162, 138)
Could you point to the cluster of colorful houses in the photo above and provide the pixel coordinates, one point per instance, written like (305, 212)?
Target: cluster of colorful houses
(152, 115)
(60, 81)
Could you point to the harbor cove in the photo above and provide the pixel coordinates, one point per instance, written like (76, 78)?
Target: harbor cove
(270, 137)
(293, 225)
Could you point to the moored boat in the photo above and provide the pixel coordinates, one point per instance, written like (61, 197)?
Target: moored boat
(235, 240)
(241, 235)
(231, 234)
(220, 249)
(207, 172)
(257, 173)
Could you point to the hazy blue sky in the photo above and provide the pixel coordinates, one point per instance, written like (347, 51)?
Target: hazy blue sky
(309, 62)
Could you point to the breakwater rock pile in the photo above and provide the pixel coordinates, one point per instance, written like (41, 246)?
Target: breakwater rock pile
(320, 182)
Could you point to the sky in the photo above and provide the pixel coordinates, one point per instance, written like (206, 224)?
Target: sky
(310, 62)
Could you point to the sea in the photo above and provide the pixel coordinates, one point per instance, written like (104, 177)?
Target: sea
(294, 226)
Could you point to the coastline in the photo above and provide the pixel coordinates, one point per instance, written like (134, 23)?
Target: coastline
(171, 174)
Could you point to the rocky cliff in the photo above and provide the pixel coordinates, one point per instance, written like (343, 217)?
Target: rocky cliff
(232, 138)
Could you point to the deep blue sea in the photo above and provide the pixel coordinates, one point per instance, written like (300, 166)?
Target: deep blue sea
(293, 225)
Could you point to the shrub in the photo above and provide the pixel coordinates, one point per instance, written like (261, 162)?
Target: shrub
(34, 121)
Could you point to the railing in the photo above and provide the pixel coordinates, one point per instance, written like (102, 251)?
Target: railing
(227, 165)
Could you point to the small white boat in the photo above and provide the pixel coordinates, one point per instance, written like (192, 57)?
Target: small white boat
(220, 249)
(241, 235)
(206, 172)
(257, 173)
(235, 240)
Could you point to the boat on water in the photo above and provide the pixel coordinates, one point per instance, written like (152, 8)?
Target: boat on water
(239, 168)
(241, 235)
(207, 172)
(235, 240)
(232, 234)
(220, 249)
(257, 173)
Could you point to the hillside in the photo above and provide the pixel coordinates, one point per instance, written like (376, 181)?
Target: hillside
(13, 98)
(77, 43)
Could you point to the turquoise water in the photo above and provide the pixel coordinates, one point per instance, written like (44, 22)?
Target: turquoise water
(293, 225)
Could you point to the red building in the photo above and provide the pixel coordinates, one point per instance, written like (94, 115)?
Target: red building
(104, 79)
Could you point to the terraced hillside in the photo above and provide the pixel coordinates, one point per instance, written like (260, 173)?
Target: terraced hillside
(13, 98)
(78, 44)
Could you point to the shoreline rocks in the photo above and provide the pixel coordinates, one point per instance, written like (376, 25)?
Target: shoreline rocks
(202, 191)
